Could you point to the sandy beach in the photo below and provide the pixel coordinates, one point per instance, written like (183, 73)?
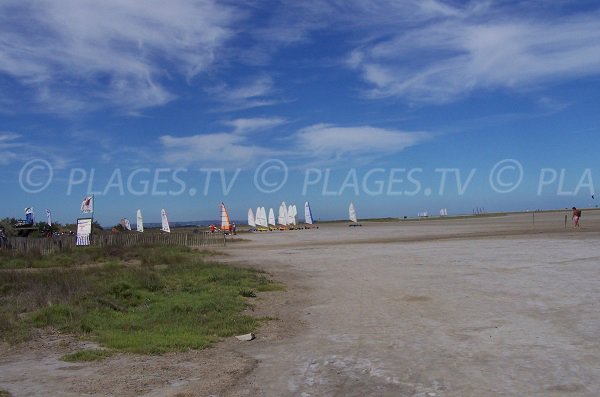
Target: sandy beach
(482, 306)
(470, 307)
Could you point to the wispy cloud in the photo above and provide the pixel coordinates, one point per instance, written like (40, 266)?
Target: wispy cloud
(478, 48)
(246, 125)
(16, 148)
(73, 54)
(252, 93)
(9, 147)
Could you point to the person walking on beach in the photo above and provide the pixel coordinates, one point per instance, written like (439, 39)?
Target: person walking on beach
(576, 216)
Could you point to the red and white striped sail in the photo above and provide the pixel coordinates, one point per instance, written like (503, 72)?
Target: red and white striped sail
(225, 223)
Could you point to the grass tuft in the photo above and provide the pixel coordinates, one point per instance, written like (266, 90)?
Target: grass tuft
(247, 293)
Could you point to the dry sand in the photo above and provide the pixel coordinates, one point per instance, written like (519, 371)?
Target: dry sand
(467, 307)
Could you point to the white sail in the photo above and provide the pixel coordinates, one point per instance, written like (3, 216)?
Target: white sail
(291, 218)
(271, 217)
(308, 218)
(139, 221)
(352, 213)
(261, 217)
(283, 216)
(251, 221)
(165, 221)
(127, 224)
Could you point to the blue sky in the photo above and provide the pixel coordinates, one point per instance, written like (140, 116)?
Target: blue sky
(372, 102)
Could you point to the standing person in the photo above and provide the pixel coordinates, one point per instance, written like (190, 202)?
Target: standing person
(3, 239)
(576, 215)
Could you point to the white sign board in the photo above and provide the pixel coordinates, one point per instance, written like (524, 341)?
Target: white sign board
(84, 231)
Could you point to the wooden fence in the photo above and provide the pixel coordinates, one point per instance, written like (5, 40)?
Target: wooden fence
(50, 245)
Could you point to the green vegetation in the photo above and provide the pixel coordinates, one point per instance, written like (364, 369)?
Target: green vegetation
(4, 393)
(97, 255)
(87, 355)
(135, 299)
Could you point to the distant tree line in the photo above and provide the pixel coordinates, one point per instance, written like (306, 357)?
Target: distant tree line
(42, 229)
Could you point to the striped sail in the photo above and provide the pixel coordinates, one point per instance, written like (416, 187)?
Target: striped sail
(225, 223)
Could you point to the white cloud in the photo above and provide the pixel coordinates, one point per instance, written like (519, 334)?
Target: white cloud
(245, 125)
(330, 142)
(226, 150)
(222, 149)
(478, 48)
(116, 51)
(319, 143)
